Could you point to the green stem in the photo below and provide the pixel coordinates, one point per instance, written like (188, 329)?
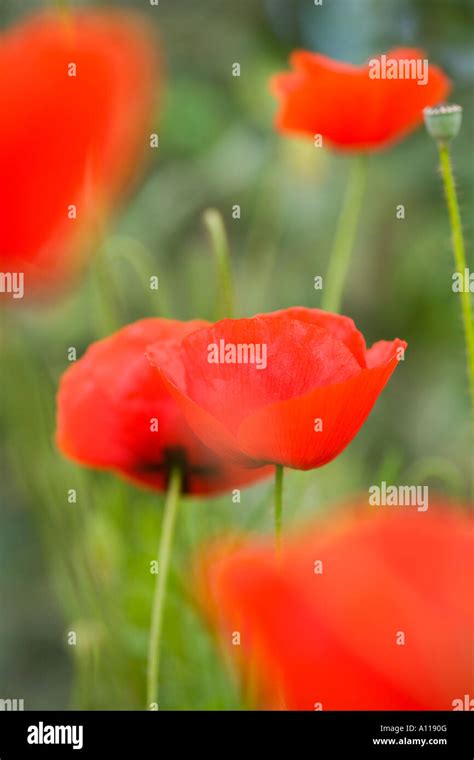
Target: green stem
(436, 467)
(459, 258)
(164, 553)
(278, 506)
(105, 294)
(345, 236)
(220, 248)
(141, 262)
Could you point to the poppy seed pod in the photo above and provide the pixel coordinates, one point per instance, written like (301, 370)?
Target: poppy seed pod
(443, 122)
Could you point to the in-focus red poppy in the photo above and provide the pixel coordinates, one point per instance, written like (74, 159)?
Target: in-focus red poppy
(292, 387)
(348, 107)
(77, 95)
(361, 613)
(114, 412)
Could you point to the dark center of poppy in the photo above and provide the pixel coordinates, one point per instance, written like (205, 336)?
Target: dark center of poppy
(177, 457)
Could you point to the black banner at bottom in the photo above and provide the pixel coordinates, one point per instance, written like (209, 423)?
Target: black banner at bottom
(137, 734)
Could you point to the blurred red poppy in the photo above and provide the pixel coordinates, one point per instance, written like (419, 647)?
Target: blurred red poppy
(357, 107)
(362, 613)
(77, 94)
(114, 412)
(292, 387)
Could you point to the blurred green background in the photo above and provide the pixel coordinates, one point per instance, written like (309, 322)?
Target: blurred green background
(85, 567)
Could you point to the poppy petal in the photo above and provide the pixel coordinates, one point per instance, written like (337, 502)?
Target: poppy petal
(77, 97)
(310, 430)
(333, 637)
(340, 326)
(114, 412)
(348, 107)
(301, 407)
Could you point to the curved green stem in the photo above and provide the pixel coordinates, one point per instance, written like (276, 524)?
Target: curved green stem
(220, 248)
(164, 554)
(436, 467)
(278, 515)
(459, 258)
(141, 262)
(105, 294)
(345, 236)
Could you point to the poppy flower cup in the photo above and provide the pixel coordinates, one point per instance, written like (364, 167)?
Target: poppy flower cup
(115, 413)
(359, 108)
(362, 612)
(291, 388)
(77, 96)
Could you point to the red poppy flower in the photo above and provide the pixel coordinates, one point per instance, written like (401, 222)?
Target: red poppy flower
(363, 613)
(348, 107)
(76, 96)
(115, 413)
(291, 388)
